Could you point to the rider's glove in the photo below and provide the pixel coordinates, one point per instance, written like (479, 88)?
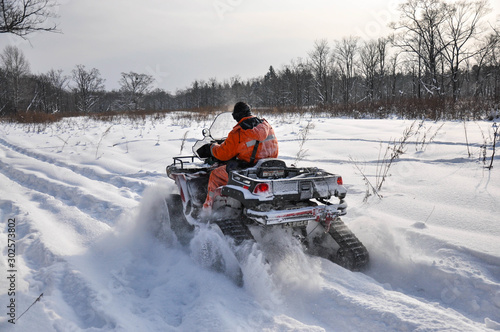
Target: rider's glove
(204, 151)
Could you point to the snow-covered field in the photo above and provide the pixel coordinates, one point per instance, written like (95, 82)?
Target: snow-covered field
(82, 192)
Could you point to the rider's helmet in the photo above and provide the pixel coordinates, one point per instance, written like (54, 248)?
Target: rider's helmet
(241, 110)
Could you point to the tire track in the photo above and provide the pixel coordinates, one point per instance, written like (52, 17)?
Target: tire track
(52, 274)
(61, 210)
(119, 181)
(102, 197)
(69, 195)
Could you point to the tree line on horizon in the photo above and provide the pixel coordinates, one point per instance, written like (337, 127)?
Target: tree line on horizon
(440, 54)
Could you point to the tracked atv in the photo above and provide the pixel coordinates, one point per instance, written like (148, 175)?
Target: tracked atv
(268, 194)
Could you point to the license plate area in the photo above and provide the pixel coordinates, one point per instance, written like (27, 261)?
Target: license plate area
(306, 190)
(293, 224)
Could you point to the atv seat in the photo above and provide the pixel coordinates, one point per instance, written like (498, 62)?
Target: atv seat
(271, 168)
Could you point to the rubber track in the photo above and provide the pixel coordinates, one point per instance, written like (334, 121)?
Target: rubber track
(355, 251)
(235, 229)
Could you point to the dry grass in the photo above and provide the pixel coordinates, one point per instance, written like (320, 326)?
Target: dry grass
(33, 117)
(408, 108)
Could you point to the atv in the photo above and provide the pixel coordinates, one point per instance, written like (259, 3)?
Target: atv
(267, 194)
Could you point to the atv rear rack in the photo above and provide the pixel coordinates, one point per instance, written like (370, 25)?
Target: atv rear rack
(293, 217)
(252, 189)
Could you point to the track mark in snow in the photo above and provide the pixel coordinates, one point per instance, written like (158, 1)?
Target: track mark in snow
(65, 289)
(120, 181)
(70, 195)
(68, 184)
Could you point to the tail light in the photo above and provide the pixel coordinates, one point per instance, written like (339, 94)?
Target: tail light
(340, 181)
(261, 188)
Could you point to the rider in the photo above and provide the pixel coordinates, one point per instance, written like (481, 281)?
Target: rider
(250, 140)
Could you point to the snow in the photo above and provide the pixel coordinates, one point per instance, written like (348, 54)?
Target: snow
(86, 196)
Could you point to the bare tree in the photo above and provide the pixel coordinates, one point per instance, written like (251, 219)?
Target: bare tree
(393, 67)
(382, 47)
(22, 17)
(493, 67)
(298, 80)
(418, 33)
(462, 27)
(485, 56)
(369, 62)
(50, 89)
(320, 58)
(15, 66)
(88, 86)
(134, 86)
(346, 52)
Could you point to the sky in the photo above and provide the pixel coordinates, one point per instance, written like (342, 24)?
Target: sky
(179, 41)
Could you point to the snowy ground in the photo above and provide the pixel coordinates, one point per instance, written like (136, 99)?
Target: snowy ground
(82, 193)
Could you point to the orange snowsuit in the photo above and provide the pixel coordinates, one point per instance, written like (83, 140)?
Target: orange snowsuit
(240, 144)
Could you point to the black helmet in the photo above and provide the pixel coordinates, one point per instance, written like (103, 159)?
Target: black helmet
(241, 110)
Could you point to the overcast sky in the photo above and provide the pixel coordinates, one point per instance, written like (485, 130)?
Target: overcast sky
(179, 41)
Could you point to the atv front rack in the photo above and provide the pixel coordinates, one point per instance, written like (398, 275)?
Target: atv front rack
(181, 160)
(185, 164)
